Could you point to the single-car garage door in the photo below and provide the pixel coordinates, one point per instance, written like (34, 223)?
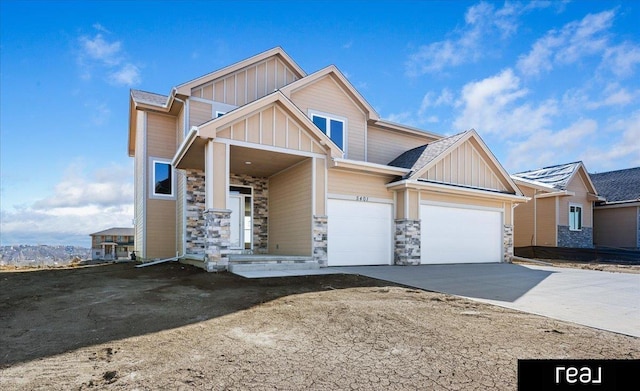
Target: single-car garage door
(454, 234)
(359, 233)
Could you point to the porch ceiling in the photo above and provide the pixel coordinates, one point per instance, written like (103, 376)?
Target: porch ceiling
(262, 163)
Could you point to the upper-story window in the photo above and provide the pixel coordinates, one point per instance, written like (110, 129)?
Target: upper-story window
(162, 179)
(332, 126)
(575, 217)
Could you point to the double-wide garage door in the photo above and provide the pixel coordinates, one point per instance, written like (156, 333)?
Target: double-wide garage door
(359, 233)
(454, 234)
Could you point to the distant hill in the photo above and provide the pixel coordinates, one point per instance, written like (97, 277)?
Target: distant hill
(42, 255)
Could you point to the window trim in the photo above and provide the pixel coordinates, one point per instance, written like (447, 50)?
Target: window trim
(152, 193)
(329, 117)
(580, 223)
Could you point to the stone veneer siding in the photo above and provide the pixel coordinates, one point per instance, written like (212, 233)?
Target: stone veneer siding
(195, 205)
(407, 242)
(195, 235)
(320, 240)
(217, 235)
(508, 243)
(575, 239)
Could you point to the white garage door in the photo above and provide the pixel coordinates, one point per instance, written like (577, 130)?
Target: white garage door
(451, 234)
(359, 233)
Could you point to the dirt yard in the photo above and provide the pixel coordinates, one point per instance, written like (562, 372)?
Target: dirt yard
(174, 327)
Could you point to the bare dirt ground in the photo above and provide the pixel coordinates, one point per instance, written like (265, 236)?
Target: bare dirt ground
(175, 327)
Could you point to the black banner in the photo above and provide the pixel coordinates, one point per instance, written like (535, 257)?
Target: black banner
(618, 375)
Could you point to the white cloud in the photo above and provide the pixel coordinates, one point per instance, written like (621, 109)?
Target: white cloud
(545, 147)
(80, 204)
(574, 41)
(622, 59)
(483, 23)
(621, 145)
(127, 75)
(97, 53)
(493, 106)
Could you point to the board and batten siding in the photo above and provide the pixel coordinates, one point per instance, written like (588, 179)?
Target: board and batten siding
(290, 210)
(466, 166)
(272, 126)
(247, 84)
(384, 145)
(326, 96)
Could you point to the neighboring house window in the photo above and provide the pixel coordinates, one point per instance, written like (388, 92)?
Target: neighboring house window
(575, 217)
(162, 179)
(332, 127)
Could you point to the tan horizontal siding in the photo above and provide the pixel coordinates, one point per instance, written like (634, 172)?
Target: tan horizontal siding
(290, 212)
(546, 224)
(523, 220)
(199, 112)
(161, 138)
(140, 183)
(385, 145)
(579, 188)
(355, 184)
(326, 96)
(161, 229)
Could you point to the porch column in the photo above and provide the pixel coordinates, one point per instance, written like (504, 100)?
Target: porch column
(216, 216)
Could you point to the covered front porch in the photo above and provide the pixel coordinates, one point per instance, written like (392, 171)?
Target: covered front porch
(251, 191)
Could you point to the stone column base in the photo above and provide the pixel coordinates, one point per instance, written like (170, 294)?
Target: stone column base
(319, 244)
(508, 243)
(217, 231)
(407, 242)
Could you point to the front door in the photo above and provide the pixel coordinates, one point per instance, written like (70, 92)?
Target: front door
(241, 206)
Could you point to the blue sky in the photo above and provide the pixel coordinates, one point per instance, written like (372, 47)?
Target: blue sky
(543, 83)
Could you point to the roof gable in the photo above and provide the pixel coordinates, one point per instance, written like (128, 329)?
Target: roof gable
(462, 160)
(185, 88)
(618, 186)
(333, 72)
(557, 177)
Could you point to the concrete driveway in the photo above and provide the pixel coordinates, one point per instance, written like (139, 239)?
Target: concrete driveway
(607, 301)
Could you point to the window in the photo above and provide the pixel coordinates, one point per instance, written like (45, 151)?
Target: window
(162, 179)
(332, 127)
(220, 114)
(575, 217)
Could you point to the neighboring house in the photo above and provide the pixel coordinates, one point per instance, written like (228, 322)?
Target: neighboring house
(112, 243)
(617, 220)
(560, 213)
(262, 158)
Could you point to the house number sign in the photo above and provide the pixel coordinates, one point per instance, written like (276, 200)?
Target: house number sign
(362, 198)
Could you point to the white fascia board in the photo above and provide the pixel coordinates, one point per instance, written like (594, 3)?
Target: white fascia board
(445, 188)
(367, 166)
(184, 147)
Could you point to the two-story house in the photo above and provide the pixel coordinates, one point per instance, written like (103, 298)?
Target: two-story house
(262, 158)
(112, 244)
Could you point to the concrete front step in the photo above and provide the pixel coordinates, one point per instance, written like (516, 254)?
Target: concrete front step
(249, 263)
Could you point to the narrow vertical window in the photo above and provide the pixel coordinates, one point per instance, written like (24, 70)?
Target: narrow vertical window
(575, 217)
(162, 179)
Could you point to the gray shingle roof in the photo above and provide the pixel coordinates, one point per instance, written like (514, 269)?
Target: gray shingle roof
(555, 176)
(419, 157)
(149, 98)
(116, 231)
(620, 185)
